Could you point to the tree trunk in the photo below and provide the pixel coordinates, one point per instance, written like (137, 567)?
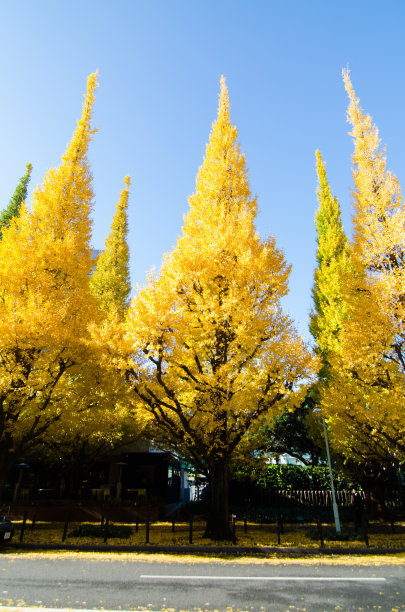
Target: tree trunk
(218, 524)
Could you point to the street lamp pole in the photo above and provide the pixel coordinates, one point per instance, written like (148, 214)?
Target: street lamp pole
(334, 504)
(121, 465)
(22, 466)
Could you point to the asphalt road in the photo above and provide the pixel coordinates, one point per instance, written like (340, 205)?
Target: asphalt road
(129, 584)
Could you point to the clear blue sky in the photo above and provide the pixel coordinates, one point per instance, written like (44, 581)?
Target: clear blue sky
(159, 65)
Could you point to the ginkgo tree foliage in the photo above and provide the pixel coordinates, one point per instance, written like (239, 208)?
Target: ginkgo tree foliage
(96, 416)
(365, 398)
(212, 350)
(46, 305)
(293, 431)
(93, 420)
(332, 264)
(329, 312)
(16, 200)
(110, 281)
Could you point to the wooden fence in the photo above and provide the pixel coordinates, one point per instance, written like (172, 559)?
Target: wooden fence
(311, 498)
(318, 498)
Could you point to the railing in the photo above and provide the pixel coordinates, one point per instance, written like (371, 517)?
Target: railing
(255, 535)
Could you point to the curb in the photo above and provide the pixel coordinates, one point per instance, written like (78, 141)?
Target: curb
(187, 550)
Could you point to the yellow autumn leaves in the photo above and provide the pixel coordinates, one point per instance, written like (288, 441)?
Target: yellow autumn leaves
(52, 385)
(204, 350)
(364, 396)
(217, 352)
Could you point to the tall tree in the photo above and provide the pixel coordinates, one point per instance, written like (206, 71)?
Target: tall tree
(333, 263)
(214, 349)
(292, 431)
(332, 260)
(110, 281)
(19, 196)
(46, 306)
(365, 399)
(96, 416)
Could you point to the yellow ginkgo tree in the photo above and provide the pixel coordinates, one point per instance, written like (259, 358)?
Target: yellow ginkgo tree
(333, 263)
(96, 417)
(365, 398)
(110, 281)
(211, 349)
(45, 302)
(19, 196)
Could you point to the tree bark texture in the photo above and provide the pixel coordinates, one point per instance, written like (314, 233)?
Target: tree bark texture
(218, 523)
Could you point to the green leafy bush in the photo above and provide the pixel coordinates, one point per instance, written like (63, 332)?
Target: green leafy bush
(297, 477)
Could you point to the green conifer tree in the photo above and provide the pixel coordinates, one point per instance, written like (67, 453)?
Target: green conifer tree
(18, 197)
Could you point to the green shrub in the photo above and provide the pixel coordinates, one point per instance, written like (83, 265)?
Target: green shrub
(297, 477)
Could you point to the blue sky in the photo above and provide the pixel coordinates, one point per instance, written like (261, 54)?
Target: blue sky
(159, 65)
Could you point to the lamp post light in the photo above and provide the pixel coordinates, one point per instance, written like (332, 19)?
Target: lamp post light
(121, 465)
(332, 484)
(334, 504)
(22, 466)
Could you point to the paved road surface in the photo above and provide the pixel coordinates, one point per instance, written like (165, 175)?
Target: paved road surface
(130, 584)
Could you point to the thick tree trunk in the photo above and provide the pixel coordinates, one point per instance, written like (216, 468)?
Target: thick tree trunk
(218, 523)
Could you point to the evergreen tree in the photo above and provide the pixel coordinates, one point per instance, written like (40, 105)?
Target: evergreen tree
(293, 432)
(110, 281)
(18, 197)
(210, 346)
